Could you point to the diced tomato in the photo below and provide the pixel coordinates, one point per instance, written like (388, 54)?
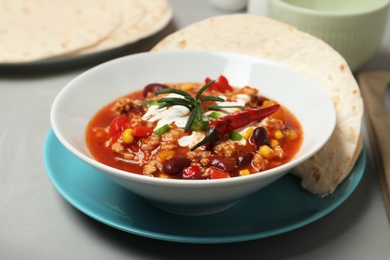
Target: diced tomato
(191, 172)
(217, 174)
(117, 125)
(213, 86)
(142, 131)
(127, 125)
(115, 138)
(221, 84)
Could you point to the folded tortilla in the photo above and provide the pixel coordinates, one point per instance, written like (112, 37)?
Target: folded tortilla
(269, 39)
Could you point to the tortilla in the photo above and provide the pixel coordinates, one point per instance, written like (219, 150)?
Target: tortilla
(269, 39)
(141, 18)
(36, 30)
(33, 30)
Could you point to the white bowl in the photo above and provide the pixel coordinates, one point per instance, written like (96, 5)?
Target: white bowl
(79, 100)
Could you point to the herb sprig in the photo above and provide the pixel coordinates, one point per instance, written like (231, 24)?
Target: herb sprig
(190, 102)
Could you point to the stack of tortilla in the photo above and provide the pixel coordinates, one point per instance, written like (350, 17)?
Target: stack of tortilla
(33, 30)
(266, 38)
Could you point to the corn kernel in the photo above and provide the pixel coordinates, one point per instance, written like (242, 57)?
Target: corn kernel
(163, 155)
(163, 175)
(127, 136)
(265, 151)
(274, 143)
(278, 134)
(244, 172)
(247, 133)
(186, 87)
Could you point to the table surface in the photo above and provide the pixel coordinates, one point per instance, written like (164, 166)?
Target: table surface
(36, 222)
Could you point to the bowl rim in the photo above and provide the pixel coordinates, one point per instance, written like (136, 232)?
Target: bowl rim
(331, 14)
(180, 182)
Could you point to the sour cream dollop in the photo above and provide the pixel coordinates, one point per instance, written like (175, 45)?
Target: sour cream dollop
(167, 115)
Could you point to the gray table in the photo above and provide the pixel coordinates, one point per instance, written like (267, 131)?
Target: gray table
(37, 223)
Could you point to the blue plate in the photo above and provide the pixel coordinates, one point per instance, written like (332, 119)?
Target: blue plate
(283, 206)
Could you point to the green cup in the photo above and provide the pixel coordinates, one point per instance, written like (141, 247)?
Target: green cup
(354, 28)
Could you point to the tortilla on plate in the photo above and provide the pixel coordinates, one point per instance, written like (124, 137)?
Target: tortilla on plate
(34, 30)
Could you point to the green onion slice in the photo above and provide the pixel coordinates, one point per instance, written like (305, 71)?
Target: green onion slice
(234, 136)
(215, 115)
(162, 130)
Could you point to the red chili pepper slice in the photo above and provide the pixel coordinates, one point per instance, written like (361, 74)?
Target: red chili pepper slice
(223, 125)
(142, 131)
(117, 125)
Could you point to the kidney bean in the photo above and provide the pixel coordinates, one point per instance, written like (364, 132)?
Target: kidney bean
(176, 165)
(137, 110)
(222, 163)
(153, 87)
(244, 160)
(260, 137)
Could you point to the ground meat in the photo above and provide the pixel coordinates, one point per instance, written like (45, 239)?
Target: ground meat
(135, 120)
(153, 140)
(258, 162)
(251, 92)
(128, 156)
(201, 156)
(117, 147)
(206, 173)
(204, 154)
(165, 146)
(279, 152)
(226, 148)
(147, 147)
(173, 135)
(123, 105)
(204, 161)
(150, 143)
(273, 124)
(150, 168)
(191, 155)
